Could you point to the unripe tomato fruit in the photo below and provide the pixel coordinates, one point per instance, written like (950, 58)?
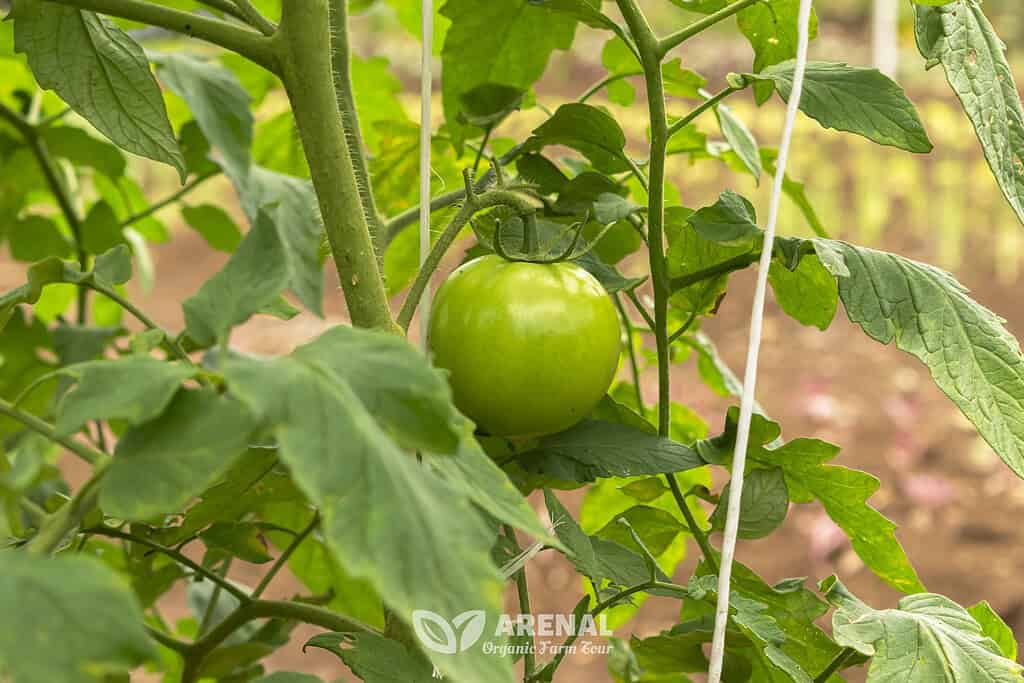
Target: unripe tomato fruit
(531, 348)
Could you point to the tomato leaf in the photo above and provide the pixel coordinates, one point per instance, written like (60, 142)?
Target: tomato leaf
(730, 221)
(218, 102)
(960, 37)
(771, 28)
(160, 465)
(251, 280)
(395, 383)
(808, 294)
(215, 226)
(135, 389)
(376, 659)
(855, 100)
(844, 493)
(379, 506)
(82, 149)
(594, 449)
(515, 56)
(292, 204)
(940, 637)
(993, 626)
(740, 139)
(478, 477)
(972, 357)
(597, 558)
(763, 506)
(590, 131)
(57, 596)
(67, 47)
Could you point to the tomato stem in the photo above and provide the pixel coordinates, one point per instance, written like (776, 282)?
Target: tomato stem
(474, 204)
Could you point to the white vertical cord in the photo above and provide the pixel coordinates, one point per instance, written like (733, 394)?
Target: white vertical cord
(753, 350)
(426, 96)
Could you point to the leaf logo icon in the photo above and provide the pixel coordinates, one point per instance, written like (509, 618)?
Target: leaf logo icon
(438, 635)
(472, 626)
(434, 632)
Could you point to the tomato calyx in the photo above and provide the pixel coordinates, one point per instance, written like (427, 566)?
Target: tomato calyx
(532, 252)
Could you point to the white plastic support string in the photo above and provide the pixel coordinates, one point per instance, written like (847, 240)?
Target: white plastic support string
(753, 351)
(426, 97)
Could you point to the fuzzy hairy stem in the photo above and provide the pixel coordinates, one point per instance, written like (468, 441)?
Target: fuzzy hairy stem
(341, 60)
(303, 44)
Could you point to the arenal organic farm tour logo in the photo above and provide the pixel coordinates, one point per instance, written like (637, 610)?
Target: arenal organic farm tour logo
(465, 631)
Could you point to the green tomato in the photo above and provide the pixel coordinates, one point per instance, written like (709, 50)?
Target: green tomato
(531, 348)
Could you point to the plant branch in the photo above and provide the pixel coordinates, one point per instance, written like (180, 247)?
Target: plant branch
(170, 199)
(676, 39)
(411, 215)
(226, 7)
(53, 179)
(605, 82)
(282, 560)
(684, 328)
(836, 665)
(650, 58)
(444, 242)
(175, 555)
(252, 16)
(264, 609)
(634, 366)
(84, 452)
(625, 593)
(523, 593)
(695, 530)
(703, 107)
(731, 265)
(304, 40)
(547, 673)
(112, 294)
(633, 299)
(250, 44)
(211, 607)
(341, 60)
(167, 641)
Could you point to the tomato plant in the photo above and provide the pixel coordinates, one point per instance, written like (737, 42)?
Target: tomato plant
(376, 475)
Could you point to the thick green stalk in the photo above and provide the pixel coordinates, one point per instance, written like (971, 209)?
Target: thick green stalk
(303, 43)
(341, 57)
(651, 55)
(249, 44)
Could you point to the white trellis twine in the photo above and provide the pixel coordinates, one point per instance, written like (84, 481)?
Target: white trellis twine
(739, 460)
(426, 97)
